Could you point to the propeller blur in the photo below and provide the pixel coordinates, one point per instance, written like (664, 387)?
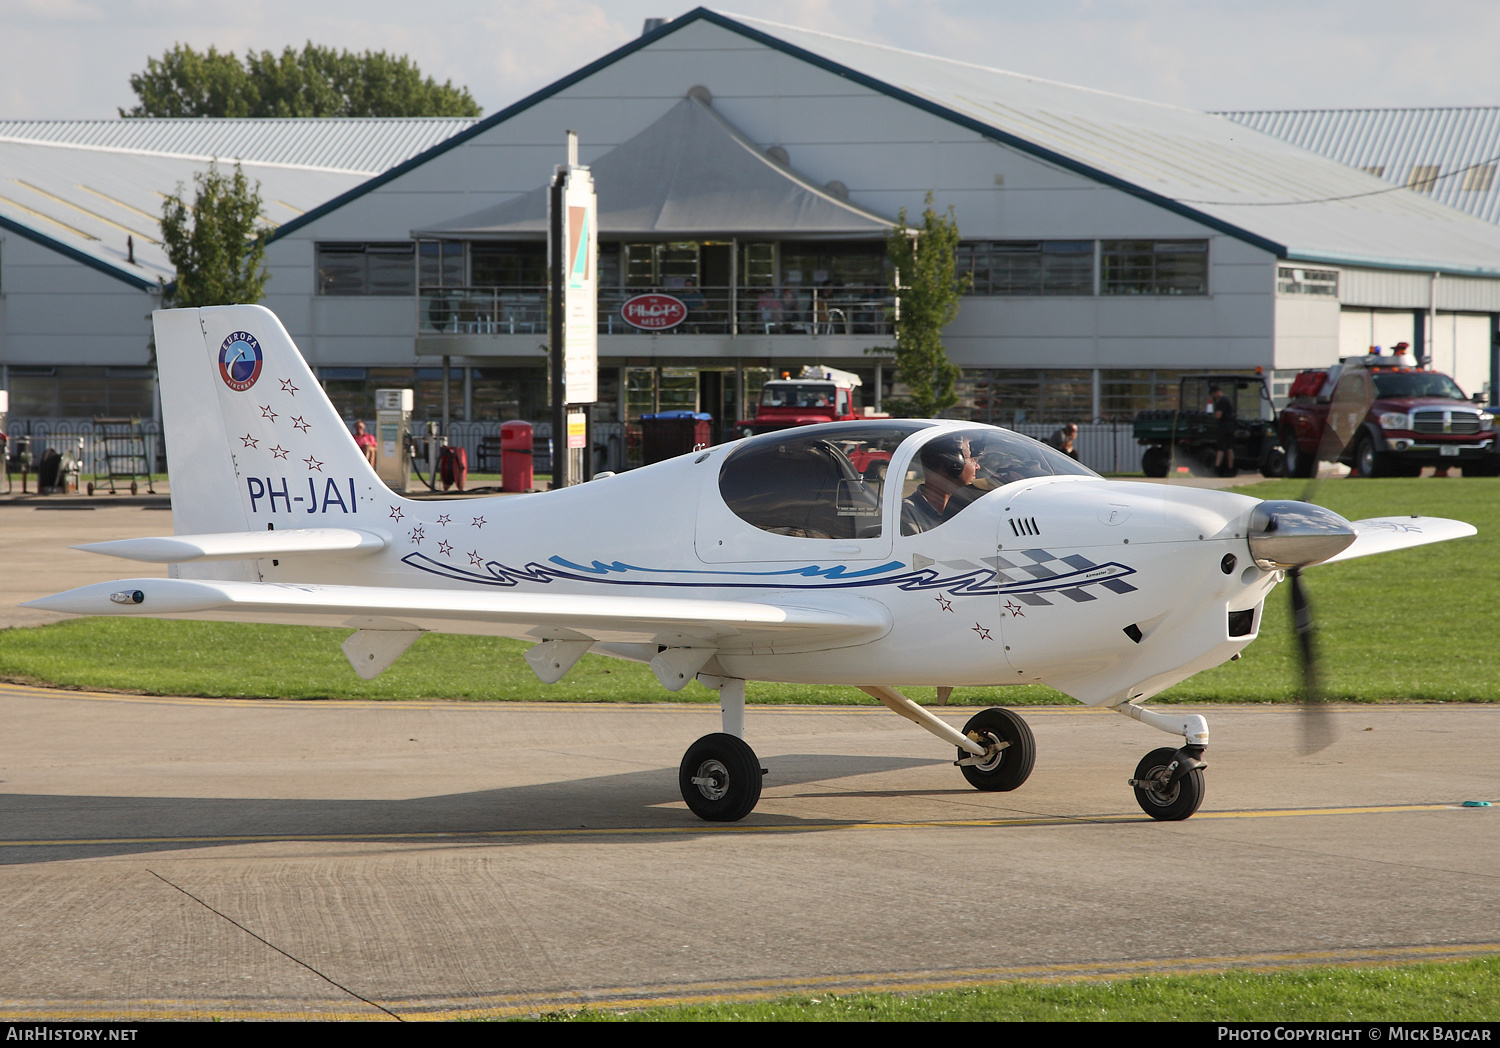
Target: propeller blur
(882, 554)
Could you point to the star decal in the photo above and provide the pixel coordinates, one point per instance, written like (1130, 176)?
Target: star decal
(445, 548)
(278, 452)
(396, 513)
(250, 441)
(478, 522)
(416, 534)
(945, 604)
(297, 423)
(445, 520)
(1015, 610)
(287, 387)
(984, 634)
(313, 464)
(266, 412)
(474, 558)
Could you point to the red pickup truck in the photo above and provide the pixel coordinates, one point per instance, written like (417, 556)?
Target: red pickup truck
(1389, 419)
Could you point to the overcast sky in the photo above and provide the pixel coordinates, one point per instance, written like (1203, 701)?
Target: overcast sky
(73, 58)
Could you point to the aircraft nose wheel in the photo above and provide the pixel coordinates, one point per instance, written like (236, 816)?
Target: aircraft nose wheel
(720, 778)
(1164, 789)
(1011, 751)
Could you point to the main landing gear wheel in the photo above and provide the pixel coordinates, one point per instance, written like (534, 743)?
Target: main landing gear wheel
(1012, 751)
(1159, 794)
(720, 778)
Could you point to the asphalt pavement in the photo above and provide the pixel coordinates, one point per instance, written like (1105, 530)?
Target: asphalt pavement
(194, 858)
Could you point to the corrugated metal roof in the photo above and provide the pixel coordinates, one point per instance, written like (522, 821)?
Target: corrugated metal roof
(1402, 146)
(87, 185)
(1240, 179)
(353, 146)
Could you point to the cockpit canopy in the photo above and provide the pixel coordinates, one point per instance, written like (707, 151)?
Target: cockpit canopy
(832, 482)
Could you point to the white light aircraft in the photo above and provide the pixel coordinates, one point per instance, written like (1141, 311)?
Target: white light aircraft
(882, 554)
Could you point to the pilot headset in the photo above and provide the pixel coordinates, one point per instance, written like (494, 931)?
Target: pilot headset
(945, 455)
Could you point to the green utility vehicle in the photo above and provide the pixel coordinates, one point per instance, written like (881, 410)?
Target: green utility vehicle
(1189, 436)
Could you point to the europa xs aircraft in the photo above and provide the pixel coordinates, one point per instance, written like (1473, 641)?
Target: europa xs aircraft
(880, 554)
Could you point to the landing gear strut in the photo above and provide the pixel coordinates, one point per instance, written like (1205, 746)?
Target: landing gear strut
(1168, 782)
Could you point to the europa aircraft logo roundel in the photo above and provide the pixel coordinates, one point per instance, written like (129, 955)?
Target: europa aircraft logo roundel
(240, 361)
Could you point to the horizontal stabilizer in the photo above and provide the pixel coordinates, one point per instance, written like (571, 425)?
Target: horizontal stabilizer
(1385, 534)
(242, 545)
(725, 624)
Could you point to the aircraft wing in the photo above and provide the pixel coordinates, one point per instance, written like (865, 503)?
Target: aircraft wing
(798, 623)
(1385, 534)
(242, 545)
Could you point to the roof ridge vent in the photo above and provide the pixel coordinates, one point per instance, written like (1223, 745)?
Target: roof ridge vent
(702, 94)
(779, 155)
(837, 189)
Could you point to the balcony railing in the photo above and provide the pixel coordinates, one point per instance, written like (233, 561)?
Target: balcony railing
(791, 310)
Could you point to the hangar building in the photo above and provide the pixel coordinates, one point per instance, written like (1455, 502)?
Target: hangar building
(752, 170)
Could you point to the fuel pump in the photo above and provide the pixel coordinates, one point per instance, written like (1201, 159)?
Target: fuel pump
(393, 408)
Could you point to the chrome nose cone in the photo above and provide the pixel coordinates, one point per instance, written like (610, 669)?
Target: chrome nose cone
(1296, 534)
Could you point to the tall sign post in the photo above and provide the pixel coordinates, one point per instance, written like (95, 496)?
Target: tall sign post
(572, 255)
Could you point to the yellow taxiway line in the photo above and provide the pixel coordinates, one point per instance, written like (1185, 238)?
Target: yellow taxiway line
(480, 836)
(741, 990)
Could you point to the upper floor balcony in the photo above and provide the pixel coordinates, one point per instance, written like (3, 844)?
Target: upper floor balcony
(711, 321)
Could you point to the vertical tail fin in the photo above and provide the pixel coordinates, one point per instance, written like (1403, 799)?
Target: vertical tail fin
(252, 440)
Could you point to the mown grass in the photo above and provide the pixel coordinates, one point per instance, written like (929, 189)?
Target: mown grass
(1417, 625)
(1467, 991)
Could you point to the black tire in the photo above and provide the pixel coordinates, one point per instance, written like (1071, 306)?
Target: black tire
(1011, 766)
(1155, 461)
(1173, 803)
(730, 774)
(1367, 461)
(1298, 463)
(1274, 463)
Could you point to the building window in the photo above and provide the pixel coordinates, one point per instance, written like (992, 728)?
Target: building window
(1480, 178)
(1295, 280)
(367, 269)
(1423, 177)
(440, 263)
(507, 265)
(1154, 267)
(1028, 267)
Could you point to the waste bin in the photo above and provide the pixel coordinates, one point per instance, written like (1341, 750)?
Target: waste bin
(668, 434)
(516, 463)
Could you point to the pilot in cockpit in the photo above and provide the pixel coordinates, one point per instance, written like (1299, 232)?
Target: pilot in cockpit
(948, 466)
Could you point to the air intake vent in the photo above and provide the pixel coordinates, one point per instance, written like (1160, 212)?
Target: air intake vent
(1024, 526)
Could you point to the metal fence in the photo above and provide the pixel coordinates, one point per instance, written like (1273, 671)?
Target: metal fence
(1106, 447)
(80, 438)
(789, 310)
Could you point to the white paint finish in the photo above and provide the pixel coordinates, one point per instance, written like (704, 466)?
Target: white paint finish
(205, 487)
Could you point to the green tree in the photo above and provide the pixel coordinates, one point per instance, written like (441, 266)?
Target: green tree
(316, 82)
(213, 242)
(925, 260)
